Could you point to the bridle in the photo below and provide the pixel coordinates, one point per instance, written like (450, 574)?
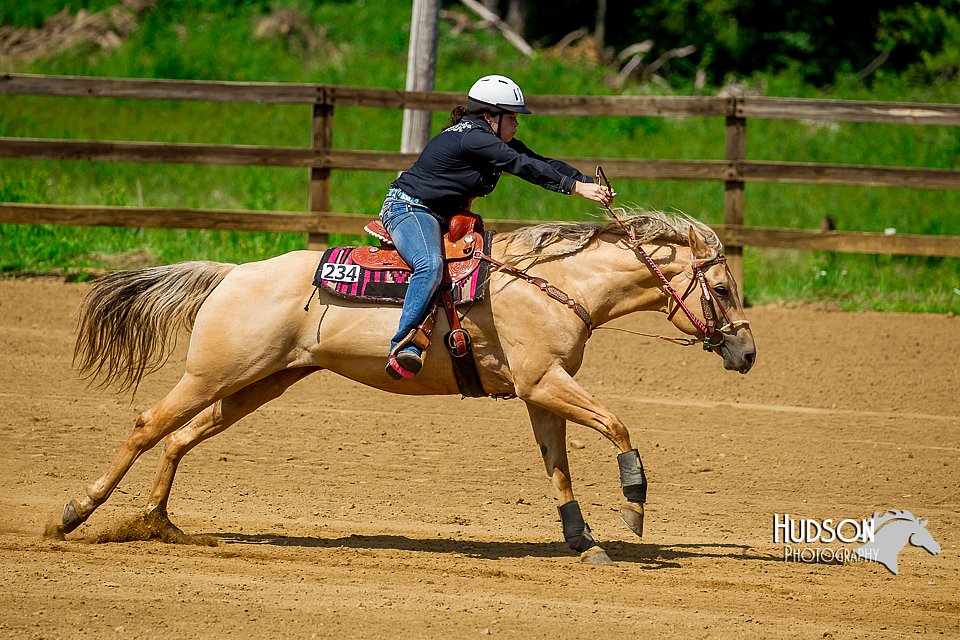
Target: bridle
(713, 337)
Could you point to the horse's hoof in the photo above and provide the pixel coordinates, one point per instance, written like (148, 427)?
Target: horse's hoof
(595, 555)
(632, 515)
(70, 519)
(159, 527)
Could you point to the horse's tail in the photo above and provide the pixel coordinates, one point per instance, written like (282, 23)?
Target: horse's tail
(128, 323)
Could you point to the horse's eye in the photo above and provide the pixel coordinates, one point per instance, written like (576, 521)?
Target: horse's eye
(721, 290)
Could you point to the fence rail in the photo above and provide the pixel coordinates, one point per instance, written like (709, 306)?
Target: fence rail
(734, 171)
(289, 93)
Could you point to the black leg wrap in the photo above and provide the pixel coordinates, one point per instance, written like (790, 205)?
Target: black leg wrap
(632, 479)
(575, 531)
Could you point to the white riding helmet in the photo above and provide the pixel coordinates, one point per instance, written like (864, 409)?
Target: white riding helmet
(497, 92)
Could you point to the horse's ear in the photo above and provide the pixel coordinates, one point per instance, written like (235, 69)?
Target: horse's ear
(698, 245)
(923, 523)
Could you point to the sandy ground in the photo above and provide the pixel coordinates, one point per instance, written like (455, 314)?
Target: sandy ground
(344, 512)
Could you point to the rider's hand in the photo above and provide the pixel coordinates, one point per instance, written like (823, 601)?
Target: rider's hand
(595, 192)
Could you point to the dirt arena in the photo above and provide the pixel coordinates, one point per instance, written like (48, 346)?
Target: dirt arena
(343, 512)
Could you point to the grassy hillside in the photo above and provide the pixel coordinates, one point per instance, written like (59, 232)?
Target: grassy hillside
(364, 43)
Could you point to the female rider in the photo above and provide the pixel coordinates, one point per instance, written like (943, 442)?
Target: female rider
(460, 163)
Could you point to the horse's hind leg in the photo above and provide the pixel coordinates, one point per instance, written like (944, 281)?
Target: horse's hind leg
(550, 430)
(213, 420)
(185, 400)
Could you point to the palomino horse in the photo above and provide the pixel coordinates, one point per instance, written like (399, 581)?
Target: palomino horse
(252, 338)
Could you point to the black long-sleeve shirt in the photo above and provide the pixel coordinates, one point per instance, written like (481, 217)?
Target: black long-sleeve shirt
(465, 161)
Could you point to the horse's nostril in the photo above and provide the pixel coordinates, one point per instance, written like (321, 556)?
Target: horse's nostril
(750, 356)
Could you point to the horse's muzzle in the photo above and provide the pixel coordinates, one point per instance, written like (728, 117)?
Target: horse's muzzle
(738, 356)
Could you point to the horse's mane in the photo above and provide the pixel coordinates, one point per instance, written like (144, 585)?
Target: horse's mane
(554, 239)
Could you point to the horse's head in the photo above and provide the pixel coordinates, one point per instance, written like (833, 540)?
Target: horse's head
(720, 319)
(921, 537)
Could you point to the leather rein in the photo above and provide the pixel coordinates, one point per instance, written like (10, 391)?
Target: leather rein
(713, 337)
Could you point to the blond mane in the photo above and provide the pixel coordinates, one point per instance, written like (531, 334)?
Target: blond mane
(555, 239)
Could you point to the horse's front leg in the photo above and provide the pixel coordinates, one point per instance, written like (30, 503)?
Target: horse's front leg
(550, 430)
(558, 393)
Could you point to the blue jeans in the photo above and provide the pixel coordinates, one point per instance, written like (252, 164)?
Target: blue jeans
(416, 233)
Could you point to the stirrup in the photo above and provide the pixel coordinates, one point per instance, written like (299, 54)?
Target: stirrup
(402, 363)
(407, 366)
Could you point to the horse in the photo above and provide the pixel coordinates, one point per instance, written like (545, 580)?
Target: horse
(252, 338)
(899, 528)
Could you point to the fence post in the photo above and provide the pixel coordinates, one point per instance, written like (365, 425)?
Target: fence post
(733, 201)
(321, 141)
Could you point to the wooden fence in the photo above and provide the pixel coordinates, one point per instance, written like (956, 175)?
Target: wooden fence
(321, 158)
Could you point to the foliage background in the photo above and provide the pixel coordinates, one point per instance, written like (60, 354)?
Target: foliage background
(817, 49)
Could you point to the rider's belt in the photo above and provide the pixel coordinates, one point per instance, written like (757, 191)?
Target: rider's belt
(400, 194)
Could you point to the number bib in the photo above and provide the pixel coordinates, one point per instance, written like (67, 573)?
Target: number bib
(330, 272)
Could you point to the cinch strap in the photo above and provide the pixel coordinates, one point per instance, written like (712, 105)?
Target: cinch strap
(461, 350)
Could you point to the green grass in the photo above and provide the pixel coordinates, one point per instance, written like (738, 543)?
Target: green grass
(360, 48)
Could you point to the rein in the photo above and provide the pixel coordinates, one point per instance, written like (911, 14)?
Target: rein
(708, 297)
(683, 341)
(554, 292)
(560, 296)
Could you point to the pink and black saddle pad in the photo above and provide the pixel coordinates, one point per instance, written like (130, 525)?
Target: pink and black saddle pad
(339, 274)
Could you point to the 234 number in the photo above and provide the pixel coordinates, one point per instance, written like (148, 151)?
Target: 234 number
(340, 272)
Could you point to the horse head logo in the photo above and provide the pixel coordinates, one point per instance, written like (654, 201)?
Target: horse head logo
(898, 528)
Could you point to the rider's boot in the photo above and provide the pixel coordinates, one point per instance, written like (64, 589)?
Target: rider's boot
(406, 359)
(405, 364)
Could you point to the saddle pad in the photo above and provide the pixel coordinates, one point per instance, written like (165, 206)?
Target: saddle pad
(341, 276)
